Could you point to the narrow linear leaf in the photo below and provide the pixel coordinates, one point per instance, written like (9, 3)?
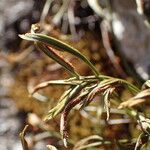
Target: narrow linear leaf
(83, 144)
(60, 45)
(66, 93)
(92, 93)
(36, 95)
(143, 94)
(130, 86)
(108, 82)
(55, 56)
(111, 80)
(106, 96)
(141, 97)
(92, 137)
(65, 113)
(64, 100)
(90, 96)
(53, 82)
(94, 144)
(133, 89)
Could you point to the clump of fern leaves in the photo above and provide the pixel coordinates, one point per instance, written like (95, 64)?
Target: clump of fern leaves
(83, 89)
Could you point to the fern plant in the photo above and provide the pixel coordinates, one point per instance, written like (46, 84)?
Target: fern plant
(82, 89)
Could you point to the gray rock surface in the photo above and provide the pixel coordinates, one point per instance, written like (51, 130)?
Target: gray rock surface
(10, 121)
(16, 16)
(10, 124)
(132, 35)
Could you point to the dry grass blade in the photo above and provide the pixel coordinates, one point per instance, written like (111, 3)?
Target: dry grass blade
(23, 140)
(94, 144)
(60, 45)
(142, 97)
(83, 144)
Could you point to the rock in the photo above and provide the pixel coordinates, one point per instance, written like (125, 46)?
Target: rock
(133, 37)
(16, 16)
(10, 125)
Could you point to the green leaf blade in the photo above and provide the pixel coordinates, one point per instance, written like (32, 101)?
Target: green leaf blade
(60, 45)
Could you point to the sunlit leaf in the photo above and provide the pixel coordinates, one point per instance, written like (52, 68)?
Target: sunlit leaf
(60, 45)
(65, 113)
(91, 141)
(60, 60)
(64, 100)
(141, 97)
(54, 82)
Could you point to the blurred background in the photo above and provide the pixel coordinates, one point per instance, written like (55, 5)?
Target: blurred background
(113, 34)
